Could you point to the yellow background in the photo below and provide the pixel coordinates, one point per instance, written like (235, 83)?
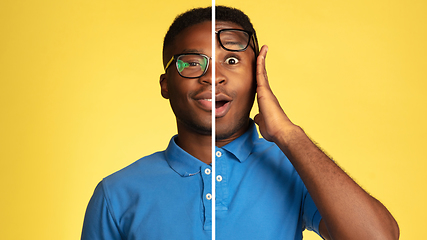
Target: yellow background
(80, 97)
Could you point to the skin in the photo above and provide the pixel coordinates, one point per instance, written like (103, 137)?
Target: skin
(233, 82)
(348, 212)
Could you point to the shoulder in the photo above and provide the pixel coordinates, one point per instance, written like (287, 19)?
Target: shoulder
(144, 168)
(137, 180)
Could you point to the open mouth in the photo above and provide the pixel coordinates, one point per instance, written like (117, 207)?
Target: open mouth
(219, 104)
(222, 103)
(221, 108)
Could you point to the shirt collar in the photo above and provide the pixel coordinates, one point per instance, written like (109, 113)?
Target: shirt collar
(181, 161)
(186, 165)
(241, 148)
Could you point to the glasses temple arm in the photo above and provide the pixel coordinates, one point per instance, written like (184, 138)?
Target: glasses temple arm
(169, 63)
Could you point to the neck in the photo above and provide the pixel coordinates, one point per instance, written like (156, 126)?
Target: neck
(197, 145)
(231, 134)
(220, 142)
(200, 145)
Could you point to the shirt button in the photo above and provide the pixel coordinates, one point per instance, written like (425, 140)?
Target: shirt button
(207, 171)
(219, 178)
(218, 154)
(208, 196)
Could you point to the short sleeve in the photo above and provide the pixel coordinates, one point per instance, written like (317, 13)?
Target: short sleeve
(99, 222)
(311, 215)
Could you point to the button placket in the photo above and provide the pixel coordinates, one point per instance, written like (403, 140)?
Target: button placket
(218, 178)
(207, 197)
(221, 185)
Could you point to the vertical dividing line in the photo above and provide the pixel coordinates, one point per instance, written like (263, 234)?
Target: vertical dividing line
(213, 121)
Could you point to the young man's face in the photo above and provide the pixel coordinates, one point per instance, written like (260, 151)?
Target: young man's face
(234, 81)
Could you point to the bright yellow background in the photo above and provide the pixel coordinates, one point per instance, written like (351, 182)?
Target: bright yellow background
(80, 97)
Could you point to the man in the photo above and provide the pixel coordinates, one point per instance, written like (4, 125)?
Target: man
(271, 188)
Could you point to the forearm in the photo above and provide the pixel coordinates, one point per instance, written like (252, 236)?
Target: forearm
(347, 210)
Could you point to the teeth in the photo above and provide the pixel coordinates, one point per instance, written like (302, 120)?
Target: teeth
(210, 100)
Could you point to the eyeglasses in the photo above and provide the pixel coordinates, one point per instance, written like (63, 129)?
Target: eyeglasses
(190, 65)
(195, 65)
(235, 40)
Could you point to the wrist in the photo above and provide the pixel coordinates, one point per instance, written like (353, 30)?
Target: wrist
(288, 135)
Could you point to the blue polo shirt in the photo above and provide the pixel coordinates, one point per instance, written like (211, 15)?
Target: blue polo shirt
(167, 195)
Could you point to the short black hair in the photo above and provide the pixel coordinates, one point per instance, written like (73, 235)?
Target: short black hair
(199, 15)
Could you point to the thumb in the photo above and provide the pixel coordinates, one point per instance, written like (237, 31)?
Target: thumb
(258, 119)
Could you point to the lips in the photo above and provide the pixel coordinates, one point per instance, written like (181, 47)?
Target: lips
(205, 103)
(222, 103)
(221, 108)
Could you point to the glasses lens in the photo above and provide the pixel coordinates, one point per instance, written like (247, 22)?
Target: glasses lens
(190, 65)
(234, 40)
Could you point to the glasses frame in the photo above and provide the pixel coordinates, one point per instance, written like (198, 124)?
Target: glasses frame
(176, 56)
(251, 34)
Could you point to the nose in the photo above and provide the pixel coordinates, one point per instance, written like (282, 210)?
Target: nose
(219, 76)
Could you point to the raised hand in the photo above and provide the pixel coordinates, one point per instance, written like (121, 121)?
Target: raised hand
(348, 211)
(271, 119)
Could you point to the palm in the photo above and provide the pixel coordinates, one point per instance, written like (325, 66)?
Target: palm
(271, 118)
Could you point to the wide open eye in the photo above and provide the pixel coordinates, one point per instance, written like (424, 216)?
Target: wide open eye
(231, 60)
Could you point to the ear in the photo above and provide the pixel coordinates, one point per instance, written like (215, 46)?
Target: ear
(164, 86)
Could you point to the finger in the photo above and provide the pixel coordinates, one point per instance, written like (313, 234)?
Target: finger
(262, 79)
(256, 118)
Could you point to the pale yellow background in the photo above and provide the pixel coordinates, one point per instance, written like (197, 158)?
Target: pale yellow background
(80, 98)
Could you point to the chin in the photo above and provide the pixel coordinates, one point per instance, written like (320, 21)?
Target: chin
(199, 126)
(231, 129)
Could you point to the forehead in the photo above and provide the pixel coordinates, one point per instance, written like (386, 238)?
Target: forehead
(198, 37)
(226, 25)
(207, 26)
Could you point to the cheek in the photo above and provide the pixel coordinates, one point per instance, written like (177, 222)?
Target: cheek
(245, 70)
(177, 91)
(248, 83)
(243, 79)
(244, 86)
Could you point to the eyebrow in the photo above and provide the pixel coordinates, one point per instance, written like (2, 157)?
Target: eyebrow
(232, 43)
(191, 51)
